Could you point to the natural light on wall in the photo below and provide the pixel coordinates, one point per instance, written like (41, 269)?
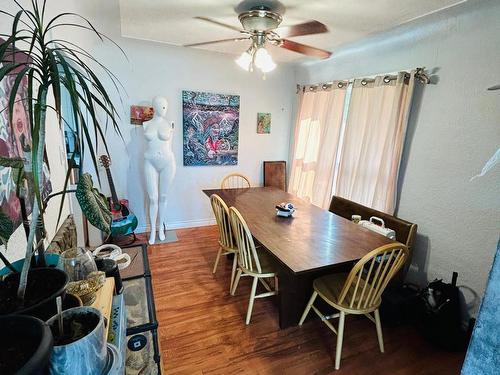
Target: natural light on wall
(307, 150)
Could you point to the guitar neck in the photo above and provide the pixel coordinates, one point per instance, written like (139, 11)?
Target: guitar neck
(114, 197)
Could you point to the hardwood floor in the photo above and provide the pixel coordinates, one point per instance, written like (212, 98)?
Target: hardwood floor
(202, 328)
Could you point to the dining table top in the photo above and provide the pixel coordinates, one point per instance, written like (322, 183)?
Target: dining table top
(313, 239)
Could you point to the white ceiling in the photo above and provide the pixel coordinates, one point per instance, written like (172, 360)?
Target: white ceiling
(173, 22)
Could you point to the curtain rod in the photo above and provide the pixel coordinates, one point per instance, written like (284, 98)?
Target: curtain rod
(420, 75)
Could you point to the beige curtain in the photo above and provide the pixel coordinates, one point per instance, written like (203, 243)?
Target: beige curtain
(317, 133)
(373, 141)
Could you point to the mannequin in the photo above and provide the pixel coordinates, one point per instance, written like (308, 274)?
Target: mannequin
(159, 165)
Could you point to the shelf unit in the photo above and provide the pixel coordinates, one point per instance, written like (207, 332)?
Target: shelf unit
(142, 325)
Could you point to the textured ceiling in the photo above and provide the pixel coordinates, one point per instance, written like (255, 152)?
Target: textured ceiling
(173, 22)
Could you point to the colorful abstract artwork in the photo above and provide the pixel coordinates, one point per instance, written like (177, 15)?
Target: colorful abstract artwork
(263, 123)
(15, 141)
(210, 128)
(140, 114)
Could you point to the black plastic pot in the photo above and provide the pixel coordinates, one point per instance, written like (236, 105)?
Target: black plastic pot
(26, 345)
(44, 285)
(70, 301)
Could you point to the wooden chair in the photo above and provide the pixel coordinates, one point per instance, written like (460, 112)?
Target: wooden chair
(235, 181)
(227, 244)
(258, 265)
(358, 292)
(275, 174)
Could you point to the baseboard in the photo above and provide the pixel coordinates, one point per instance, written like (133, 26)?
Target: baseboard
(179, 225)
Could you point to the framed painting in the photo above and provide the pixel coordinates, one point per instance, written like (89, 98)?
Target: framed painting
(15, 141)
(140, 114)
(210, 128)
(263, 123)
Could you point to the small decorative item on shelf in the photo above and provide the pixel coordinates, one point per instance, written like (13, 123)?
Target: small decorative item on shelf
(285, 209)
(85, 280)
(356, 219)
(114, 252)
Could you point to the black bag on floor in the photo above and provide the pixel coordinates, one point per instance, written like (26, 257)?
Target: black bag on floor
(399, 304)
(440, 315)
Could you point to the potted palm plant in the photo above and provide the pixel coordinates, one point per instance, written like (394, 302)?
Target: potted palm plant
(49, 67)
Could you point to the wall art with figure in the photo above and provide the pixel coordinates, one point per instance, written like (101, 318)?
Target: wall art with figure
(210, 128)
(15, 141)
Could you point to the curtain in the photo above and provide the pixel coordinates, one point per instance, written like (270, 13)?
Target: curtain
(373, 141)
(317, 133)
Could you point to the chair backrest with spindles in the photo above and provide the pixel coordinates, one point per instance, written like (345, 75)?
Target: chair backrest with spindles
(248, 259)
(369, 277)
(221, 213)
(235, 181)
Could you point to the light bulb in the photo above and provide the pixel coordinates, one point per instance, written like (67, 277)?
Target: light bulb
(268, 66)
(244, 61)
(264, 61)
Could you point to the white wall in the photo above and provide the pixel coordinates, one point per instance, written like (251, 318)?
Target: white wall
(56, 154)
(454, 129)
(160, 69)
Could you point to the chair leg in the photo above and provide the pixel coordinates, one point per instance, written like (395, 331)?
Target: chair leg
(340, 336)
(236, 281)
(233, 272)
(217, 259)
(379, 331)
(308, 307)
(252, 298)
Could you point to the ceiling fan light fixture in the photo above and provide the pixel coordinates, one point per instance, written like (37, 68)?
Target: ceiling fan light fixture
(259, 20)
(263, 60)
(244, 61)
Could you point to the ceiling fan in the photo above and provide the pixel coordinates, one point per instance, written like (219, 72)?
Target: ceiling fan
(260, 20)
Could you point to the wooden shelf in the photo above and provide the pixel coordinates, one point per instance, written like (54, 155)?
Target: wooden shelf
(104, 300)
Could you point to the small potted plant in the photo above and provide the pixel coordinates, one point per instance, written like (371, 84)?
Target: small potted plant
(49, 65)
(82, 341)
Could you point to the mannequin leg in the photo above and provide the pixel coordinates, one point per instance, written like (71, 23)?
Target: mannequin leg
(152, 190)
(166, 177)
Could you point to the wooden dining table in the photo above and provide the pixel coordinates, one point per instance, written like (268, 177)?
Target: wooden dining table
(312, 243)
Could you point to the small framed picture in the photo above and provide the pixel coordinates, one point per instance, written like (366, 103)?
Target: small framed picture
(263, 123)
(140, 114)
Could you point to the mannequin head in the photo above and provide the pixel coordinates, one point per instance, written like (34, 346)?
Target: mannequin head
(160, 106)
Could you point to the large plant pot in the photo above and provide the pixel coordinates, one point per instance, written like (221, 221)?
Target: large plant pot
(85, 355)
(51, 260)
(25, 345)
(44, 286)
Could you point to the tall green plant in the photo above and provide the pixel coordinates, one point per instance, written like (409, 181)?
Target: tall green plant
(54, 65)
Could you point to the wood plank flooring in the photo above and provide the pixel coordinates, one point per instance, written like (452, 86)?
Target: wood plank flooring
(202, 328)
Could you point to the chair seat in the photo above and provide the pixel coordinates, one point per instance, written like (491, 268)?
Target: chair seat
(267, 262)
(329, 288)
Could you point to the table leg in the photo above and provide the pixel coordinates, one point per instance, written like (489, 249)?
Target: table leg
(294, 292)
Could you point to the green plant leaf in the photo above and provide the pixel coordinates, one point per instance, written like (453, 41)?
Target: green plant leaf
(6, 228)
(94, 204)
(11, 162)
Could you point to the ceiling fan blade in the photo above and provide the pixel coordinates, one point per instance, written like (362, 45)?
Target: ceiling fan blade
(306, 28)
(304, 49)
(493, 88)
(216, 41)
(207, 19)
